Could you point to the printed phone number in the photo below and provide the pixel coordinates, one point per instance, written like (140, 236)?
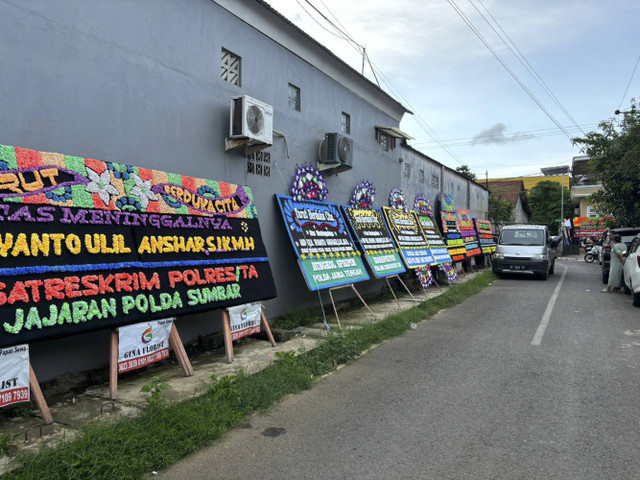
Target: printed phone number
(245, 332)
(13, 396)
(142, 361)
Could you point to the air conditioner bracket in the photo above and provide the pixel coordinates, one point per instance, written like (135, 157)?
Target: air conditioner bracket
(251, 146)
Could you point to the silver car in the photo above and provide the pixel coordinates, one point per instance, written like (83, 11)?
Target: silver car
(525, 249)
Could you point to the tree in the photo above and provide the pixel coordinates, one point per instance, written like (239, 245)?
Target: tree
(615, 157)
(500, 211)
(466, 171)
(545, 200)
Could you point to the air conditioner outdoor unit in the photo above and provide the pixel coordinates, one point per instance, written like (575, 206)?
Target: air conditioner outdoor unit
(251, 119)
(335, 151)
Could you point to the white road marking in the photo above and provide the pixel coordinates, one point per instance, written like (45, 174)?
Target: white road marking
(537, 338)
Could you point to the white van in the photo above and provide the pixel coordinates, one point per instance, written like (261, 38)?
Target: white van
(525, 249)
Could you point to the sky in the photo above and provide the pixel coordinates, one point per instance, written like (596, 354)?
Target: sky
(506, 101)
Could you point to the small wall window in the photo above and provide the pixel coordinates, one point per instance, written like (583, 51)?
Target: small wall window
(294, 98)
(230, 67)
(421, 175)
(435, 181)
(259, 163)
(345, 121)
(407, 170)
(387, 142)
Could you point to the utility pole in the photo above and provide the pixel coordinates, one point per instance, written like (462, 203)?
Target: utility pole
(562, 205)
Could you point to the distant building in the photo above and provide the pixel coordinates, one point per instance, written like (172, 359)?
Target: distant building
(585, 184)
(514, 191)
(532, 181)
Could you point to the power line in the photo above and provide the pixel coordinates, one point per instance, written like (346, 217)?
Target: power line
(629, 84)
(345, 36)
(523, 61)
(518, 136)
(333, 24)
(337, 35)
(419, 120)
(506, 67)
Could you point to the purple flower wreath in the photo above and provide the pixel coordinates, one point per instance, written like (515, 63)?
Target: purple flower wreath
(397, 200)
(422, 205)
(308, 184)
(449, 270)
(363, 194)
(425, 276)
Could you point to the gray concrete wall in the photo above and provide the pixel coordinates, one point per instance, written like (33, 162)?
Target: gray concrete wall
(479, 201)
(139, 83)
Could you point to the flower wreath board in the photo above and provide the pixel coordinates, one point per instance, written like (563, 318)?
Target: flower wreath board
(485, 235)
(449, 223)
(424, 211)
(87, 245)
(408, 235)
(375, 241)
(322, 243)
(590, 226)
(468, 232)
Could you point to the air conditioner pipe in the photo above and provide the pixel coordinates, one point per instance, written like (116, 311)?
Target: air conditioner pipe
(286, 144)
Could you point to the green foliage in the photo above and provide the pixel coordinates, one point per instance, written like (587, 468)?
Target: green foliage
(286, 357)
(545, 200)
(7, 443)
(223, 388)
(500, 211)
(24, 409)
(296, 318)
(156, 388)
(466, 171)
(615, 158)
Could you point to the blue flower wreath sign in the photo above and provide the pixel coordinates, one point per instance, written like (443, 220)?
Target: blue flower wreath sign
(375, 241)
(408, 235)
(320, 238)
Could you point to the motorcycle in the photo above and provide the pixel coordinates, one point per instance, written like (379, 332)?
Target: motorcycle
(592, 254)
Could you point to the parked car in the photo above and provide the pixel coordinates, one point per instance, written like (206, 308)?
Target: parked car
(627, 234)
(631, 271)
(525, 249)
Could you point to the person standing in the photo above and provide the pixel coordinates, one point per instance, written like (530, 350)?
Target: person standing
(617, 261)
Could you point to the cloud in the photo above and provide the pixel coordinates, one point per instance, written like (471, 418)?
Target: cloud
(496, 134)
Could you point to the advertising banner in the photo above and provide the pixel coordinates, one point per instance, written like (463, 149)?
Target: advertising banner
(142, 344)
(409, 237)
(375, 241)
(14, 384)
(322, 243)
(87, 244)
(484, 228)
(245, 320)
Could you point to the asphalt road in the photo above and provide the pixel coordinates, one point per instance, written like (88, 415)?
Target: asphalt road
(490, 389)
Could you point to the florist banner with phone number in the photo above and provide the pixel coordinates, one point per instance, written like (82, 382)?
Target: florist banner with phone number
(87, 244)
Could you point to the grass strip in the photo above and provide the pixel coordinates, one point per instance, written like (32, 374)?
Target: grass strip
(165, 433)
